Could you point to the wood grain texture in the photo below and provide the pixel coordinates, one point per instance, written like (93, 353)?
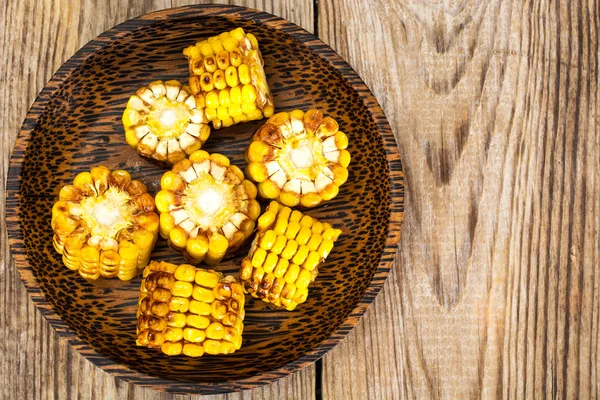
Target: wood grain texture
(36, 38)
(495, 292)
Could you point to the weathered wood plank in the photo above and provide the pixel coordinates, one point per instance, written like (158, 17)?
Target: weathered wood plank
(495, 108)
(35, 39)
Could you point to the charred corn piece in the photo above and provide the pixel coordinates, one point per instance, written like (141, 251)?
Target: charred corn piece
(206, 207)
(165, 122)
(298, 158)
(227, 71)
(187, 310)
(285, 256)
(105, 224)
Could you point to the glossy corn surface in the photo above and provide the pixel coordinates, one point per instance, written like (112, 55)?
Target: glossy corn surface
(105, 224)
(227, 77)
(164, 122)
(207, 208)
(298, 158)
(284, 258)
(184, 310)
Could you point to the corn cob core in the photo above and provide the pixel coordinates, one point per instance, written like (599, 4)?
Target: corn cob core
(163, 122)
(207, 207)
(190, 311)
(227, 76)
(298, 158)
(104, 224)
(285, 256)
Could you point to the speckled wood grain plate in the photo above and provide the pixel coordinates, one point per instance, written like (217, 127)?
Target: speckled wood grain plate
(75, 124)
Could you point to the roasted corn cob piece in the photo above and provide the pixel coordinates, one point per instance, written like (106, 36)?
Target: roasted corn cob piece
(163, 122)
(207, 207)
(298, 158)
(104, 224)
(285, 255)
(190, 311)
(227, 76)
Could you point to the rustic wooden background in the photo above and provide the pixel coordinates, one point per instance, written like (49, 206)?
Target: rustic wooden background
(496, 288)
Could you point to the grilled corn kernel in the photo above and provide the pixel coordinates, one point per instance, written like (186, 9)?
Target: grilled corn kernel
(104, 224)
(233, 63)
(187, 324)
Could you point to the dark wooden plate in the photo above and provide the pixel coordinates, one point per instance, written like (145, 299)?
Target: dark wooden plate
(75, 124)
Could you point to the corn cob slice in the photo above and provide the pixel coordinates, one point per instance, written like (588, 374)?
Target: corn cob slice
(285, 256)
(104, 224)
(227, 75)
(163, 122)
(298, 158)
(207, 208)
(190, 311)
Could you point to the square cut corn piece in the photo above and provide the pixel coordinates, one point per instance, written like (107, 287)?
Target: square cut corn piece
(163, 122)
(207, 208)
(190, 311)
(105, 224)
(298, 158)
(285, 256)
(227, 76)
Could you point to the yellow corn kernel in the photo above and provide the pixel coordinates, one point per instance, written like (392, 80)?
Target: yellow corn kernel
(292, 273)
(248, 94)
(292, 229)
(179, 304)
(200, 307)
(244, 74)
(173, 334)
(317, 227)
(218, 245)
(197, 321)
(344, 159)
(228, 122)
(217, 46)
(300, 255)
(206, 82)
(281, 268)
(202, 294)
(197, 247)
(171, 349)
(329, 192)
(290, 199)
(230, 43)
(193, 350)
(253, 209)
(235, 111)
(267, 239)
(289, 290)
(222, 113)
(279, 245)
(194, 335)
(304, 235)
(224, 100)
(178, 237)
(235, 93)
(270, 262)
(238, 34)
(301, 295)
(268, 110)
(231, 76)
(258, 172)
(281, 225)
(304, 279)
(248, 108)
(252, 40)
(215, 331)
(290, 249)
(259, 257)
(182, 289)
(257, 151)
(223, 59)
(312, 261)
(212, 99)
(325, 248)
(185, 273)
(314, 242)
(269, 189)
(212, 346)
(211, 113)
(266, 220)
(219, 79)
(309, 200)
(206, 49)
(296, 216)
(176, 320)
(206, 279)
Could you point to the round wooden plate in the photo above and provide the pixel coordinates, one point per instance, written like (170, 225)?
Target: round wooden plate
(75, 124)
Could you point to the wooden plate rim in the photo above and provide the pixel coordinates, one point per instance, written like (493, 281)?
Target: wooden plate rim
(121, 371)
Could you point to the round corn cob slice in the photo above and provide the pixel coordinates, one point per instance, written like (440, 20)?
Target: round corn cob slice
(227, 75)
(206, 207)
(191, 311)
(163, 122)
(105, 224)
(285, 255)
(298, 158)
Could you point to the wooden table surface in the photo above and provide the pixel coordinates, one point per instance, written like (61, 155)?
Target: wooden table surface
(494, 104)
